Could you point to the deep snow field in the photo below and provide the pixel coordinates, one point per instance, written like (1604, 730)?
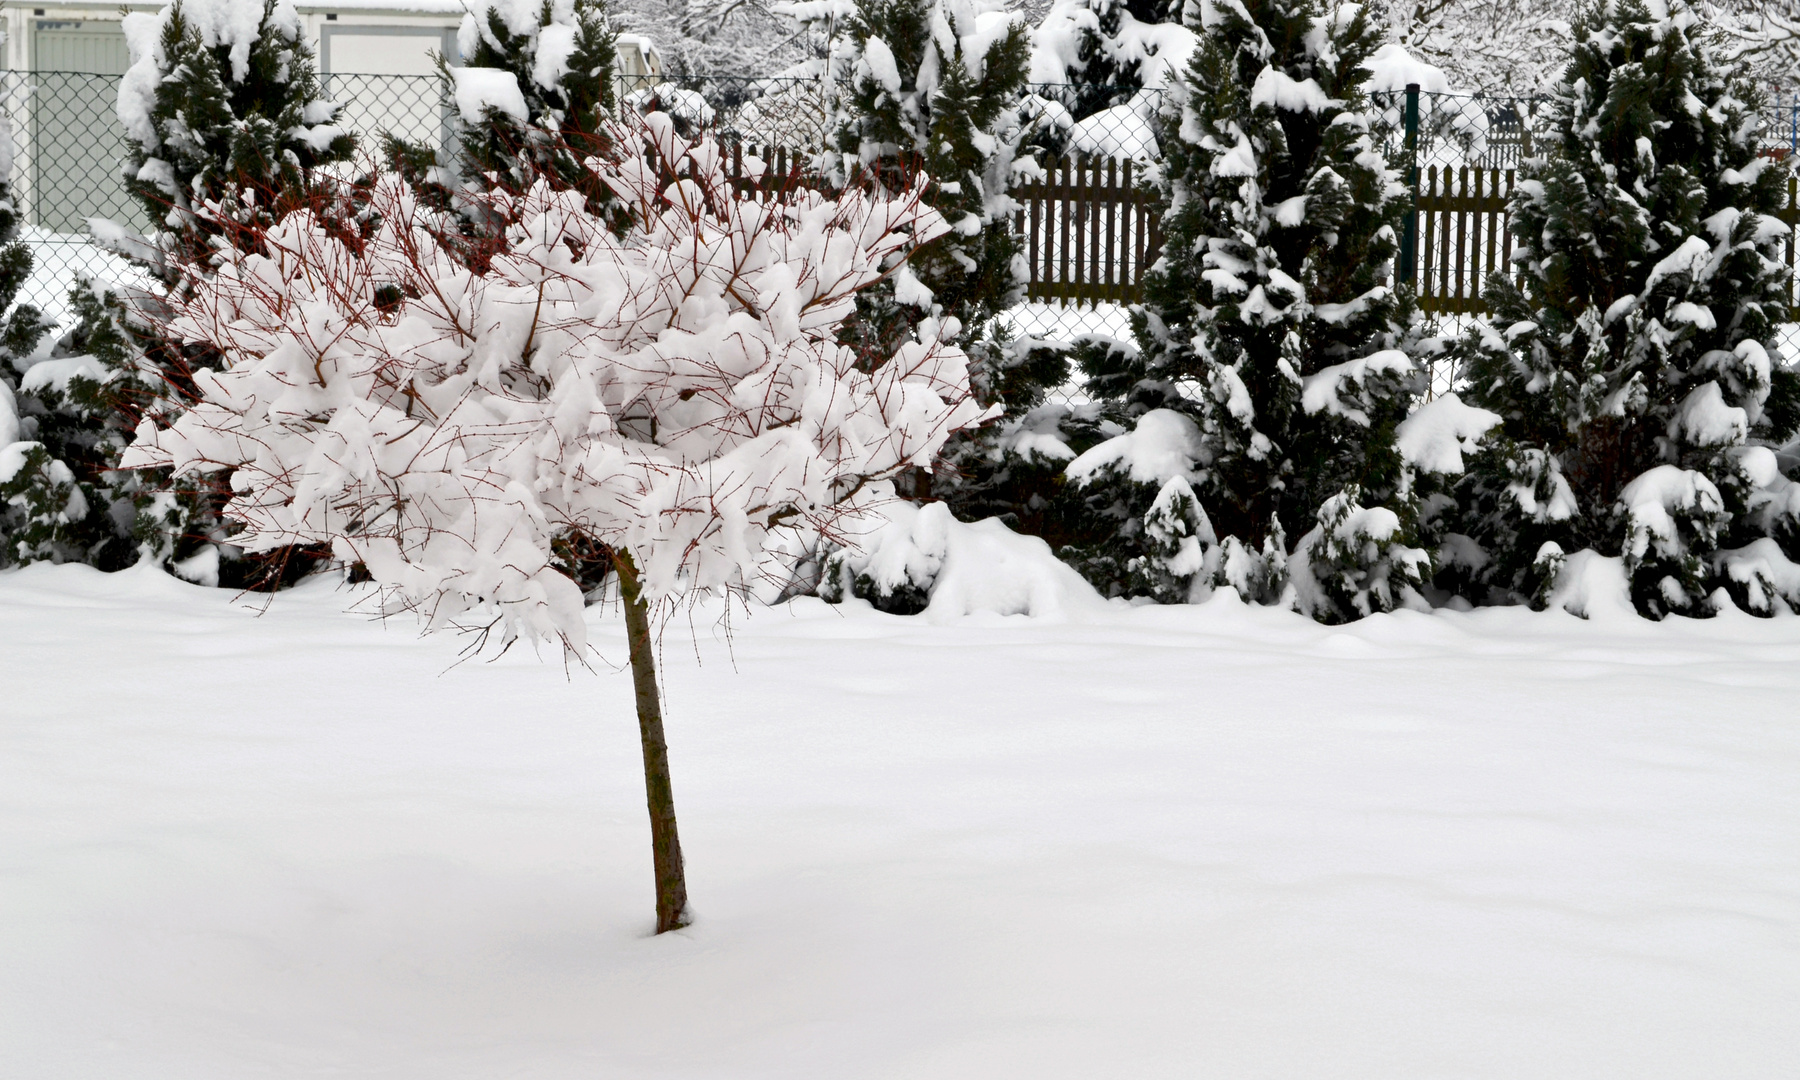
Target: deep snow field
(1206, 842)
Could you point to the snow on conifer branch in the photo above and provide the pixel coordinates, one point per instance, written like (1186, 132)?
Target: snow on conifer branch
(678, 392)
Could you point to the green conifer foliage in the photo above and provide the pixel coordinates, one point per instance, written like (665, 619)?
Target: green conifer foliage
(560, 55)
(1632, 353)
(936, 87)
(66, 504)
(1269, 319)
(925, 87)
(228, 128)
(1107, 71)
(38, 495)
(220, 111)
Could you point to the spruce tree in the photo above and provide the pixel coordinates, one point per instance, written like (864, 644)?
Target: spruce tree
(1270, 322)
(216, 110)
(912, 99)
(41, 501)
(228, 129)
(1632, 353)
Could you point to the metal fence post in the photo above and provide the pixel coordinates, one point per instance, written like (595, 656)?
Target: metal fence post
(1409, 233)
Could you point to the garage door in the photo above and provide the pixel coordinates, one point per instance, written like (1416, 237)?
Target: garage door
(77, 148)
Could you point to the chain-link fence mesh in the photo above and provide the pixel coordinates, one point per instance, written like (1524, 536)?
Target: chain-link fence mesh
(411, 107)
(1465, 152)
(70, 151)
(766, 114)
(1781, 121)
(1088, 222)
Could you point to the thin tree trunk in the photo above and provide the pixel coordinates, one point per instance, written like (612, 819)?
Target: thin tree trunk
(665, 845)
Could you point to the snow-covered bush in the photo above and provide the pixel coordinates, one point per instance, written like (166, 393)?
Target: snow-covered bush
(222, 102)
(932, 86)
(935, 86)
(909, 559)
(40, 500)
(1138, 527)
(1359, 560)
(677, 396)
(1632, 353)
(677, 393)
(1013, 469)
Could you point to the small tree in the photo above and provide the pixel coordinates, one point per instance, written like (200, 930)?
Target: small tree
(1269, 318)
(677, 397)
(220, 108)
(929, 87)
(1632, 353)
(41, 500)
(935, 87)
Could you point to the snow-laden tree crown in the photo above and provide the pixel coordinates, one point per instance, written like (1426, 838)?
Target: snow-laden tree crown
(678, 392)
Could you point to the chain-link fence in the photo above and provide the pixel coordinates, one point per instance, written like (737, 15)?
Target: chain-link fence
(1088, 223)
(70, 151)
(1781, 121)
(1463, 153)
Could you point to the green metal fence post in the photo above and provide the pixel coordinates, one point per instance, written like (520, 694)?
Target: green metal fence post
(1409, 233)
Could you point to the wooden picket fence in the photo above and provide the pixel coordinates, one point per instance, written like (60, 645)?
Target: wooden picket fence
(1090, 231)
(1463, 236)
(1090, 228)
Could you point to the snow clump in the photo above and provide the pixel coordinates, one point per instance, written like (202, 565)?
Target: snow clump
(921, 559)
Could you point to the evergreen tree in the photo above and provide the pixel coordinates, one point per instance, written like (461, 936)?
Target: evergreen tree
(1268, 319)
(935, 87)
(219, 109)
(553, 59)
(40, 499)
(1632, 354)
(228, 127)
(65, 502)
(932, 87)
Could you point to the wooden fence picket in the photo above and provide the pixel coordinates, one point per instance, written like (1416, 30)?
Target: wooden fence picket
(1090, 229)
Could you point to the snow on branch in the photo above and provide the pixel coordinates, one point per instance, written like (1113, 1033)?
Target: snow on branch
(678, 392)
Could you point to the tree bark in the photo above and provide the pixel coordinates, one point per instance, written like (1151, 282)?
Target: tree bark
(665, 844)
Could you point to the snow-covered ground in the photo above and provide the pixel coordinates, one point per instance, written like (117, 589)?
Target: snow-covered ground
(1153, 842)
